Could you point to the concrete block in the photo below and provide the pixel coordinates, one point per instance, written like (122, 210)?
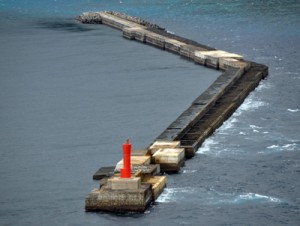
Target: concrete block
(158, 183)
(116, 183)
(225, 63)
(173, 45)
(186, 51)
(211, 58)
(128, 33)
(140, 34)
(163, 144)
(199, 58)
(168, 155)
(155, 40)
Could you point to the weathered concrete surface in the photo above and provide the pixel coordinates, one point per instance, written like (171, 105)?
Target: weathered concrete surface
(106, 199)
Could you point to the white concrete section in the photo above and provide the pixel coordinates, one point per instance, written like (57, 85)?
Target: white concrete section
(224, 63)
(168, 155)
(217, 54)
(165, 144)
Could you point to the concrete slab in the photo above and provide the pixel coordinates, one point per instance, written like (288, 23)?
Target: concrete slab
(103, 172)
(165, 144)
(168, 155)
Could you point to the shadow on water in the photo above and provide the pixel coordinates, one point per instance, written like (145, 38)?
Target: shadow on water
(64, 25)
(116, 215)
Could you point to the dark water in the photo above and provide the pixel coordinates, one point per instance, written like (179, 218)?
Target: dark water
(70, 94)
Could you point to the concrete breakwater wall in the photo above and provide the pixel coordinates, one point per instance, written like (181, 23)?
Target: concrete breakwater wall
(182, 138)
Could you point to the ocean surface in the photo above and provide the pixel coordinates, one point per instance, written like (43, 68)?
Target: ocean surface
(70, 94)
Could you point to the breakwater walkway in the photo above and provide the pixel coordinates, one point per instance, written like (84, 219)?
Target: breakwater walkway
(181, 139)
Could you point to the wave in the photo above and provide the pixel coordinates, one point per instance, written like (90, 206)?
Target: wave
(212, 197)
(206, 146)
(255, 197)
(293, 110)
(249, 105)
(284, 147)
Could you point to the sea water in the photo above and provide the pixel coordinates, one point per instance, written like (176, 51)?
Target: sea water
(70, 94)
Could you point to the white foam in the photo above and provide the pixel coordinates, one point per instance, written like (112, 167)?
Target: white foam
(249, 105)
(189, 171)
(170, 32)
(285, 147)
(289, 147)
(293, 110)
(173, 194)
(255, 197)
(206, 147)
(255, 127)
(246, 198)
(228, 124)
(273, 146)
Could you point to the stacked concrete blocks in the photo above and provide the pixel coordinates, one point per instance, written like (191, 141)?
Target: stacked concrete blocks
(211, 58)
(170, 159)
(168, 155)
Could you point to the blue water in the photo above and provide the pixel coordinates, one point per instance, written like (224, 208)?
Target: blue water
(71, 93)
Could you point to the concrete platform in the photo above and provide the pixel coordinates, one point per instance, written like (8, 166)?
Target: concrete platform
(106, 199)
(104, 172)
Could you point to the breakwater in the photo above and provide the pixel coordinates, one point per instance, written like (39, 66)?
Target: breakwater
(182, 138)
